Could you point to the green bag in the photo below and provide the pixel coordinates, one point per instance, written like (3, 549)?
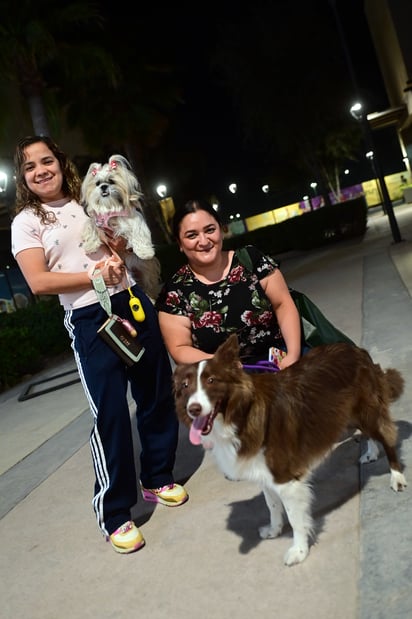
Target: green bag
(316, 328)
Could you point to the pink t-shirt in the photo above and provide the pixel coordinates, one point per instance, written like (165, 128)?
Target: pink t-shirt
(62, 244)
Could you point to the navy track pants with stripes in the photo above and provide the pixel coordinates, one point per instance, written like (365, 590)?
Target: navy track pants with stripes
(106, 381)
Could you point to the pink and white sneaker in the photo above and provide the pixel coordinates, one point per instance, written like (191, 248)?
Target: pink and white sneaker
(171, 495)
(126, 538)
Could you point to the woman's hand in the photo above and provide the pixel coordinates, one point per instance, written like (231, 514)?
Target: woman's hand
(286, 361)
(287, 315)
(112, 270)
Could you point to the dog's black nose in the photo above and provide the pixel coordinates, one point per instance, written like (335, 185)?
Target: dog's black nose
(194, 409)
(104, 189)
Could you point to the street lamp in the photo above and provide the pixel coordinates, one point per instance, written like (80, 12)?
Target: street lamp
(161, 190)
(370, 156)
(3, 181)
(167, 210)
(233, 188)
(358, 114)
(314, 185)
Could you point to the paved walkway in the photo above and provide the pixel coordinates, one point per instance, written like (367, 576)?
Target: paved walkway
(205, 559)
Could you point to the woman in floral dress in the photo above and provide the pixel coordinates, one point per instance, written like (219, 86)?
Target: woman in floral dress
(221, 292)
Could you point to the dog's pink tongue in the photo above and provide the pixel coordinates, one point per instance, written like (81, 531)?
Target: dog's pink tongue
(196, 430)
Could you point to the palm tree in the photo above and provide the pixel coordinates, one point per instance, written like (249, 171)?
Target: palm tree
(56, 73)
(129, 118)
(43, 42)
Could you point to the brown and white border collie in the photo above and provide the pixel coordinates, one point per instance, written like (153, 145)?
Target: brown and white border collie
(276, 428)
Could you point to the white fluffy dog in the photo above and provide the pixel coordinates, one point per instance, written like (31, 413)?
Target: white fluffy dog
(111, 198)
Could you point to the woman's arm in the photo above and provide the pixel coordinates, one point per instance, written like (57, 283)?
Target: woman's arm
(177, 335)
(32, 264)
(287, 315)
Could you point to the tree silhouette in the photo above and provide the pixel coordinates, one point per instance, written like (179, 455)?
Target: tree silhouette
(42, 44)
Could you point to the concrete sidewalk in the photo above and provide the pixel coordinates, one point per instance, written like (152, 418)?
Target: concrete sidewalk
(205, 558)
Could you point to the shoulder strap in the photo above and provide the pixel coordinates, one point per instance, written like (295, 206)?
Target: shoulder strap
(101, 291)
(244, 258)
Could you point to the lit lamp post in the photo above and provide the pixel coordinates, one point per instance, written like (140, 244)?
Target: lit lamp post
(370, 156)
(307, 202)
(3, 181)
(167, 206)
(357, 112)
(161, 190)
(233, 189)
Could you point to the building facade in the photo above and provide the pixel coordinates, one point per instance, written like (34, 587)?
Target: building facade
(390, 27)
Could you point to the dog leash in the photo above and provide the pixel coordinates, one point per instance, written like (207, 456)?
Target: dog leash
(103, 296)
(262, 366)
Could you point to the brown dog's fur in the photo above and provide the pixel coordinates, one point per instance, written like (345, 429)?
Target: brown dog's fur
(276, 428)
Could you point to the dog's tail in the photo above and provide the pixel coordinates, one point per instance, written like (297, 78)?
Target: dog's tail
(395, 383)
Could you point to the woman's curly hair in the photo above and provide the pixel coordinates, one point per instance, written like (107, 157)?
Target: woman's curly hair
(27, 199)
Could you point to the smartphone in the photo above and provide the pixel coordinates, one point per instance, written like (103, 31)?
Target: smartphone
(276, 354)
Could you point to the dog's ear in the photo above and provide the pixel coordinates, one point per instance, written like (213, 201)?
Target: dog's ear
(94, 168)
(228, 352)
(178, 376)
(119, 160)
(181, 390)
(88, 184)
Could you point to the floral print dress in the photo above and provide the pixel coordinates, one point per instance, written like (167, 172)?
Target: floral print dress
(236, 304)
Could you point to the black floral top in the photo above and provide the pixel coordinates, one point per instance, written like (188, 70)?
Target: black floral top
(235, 304)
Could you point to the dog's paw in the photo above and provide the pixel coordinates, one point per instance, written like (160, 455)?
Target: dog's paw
(296, 554)
(145, 252)
(232, 478)
(398, 481)
(270, 532)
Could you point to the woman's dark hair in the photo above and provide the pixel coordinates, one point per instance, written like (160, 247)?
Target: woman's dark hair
(27, 199)
(192, 206)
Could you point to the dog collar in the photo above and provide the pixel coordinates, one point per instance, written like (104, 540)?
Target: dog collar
(102, 219)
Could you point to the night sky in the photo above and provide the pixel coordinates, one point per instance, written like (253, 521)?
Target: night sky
(207, 124)
(203, 149)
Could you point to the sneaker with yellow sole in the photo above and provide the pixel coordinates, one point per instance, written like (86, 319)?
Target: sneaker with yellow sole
(126, 538)
(171, 495)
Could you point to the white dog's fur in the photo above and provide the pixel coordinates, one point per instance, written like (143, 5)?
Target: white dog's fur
(111, 198)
